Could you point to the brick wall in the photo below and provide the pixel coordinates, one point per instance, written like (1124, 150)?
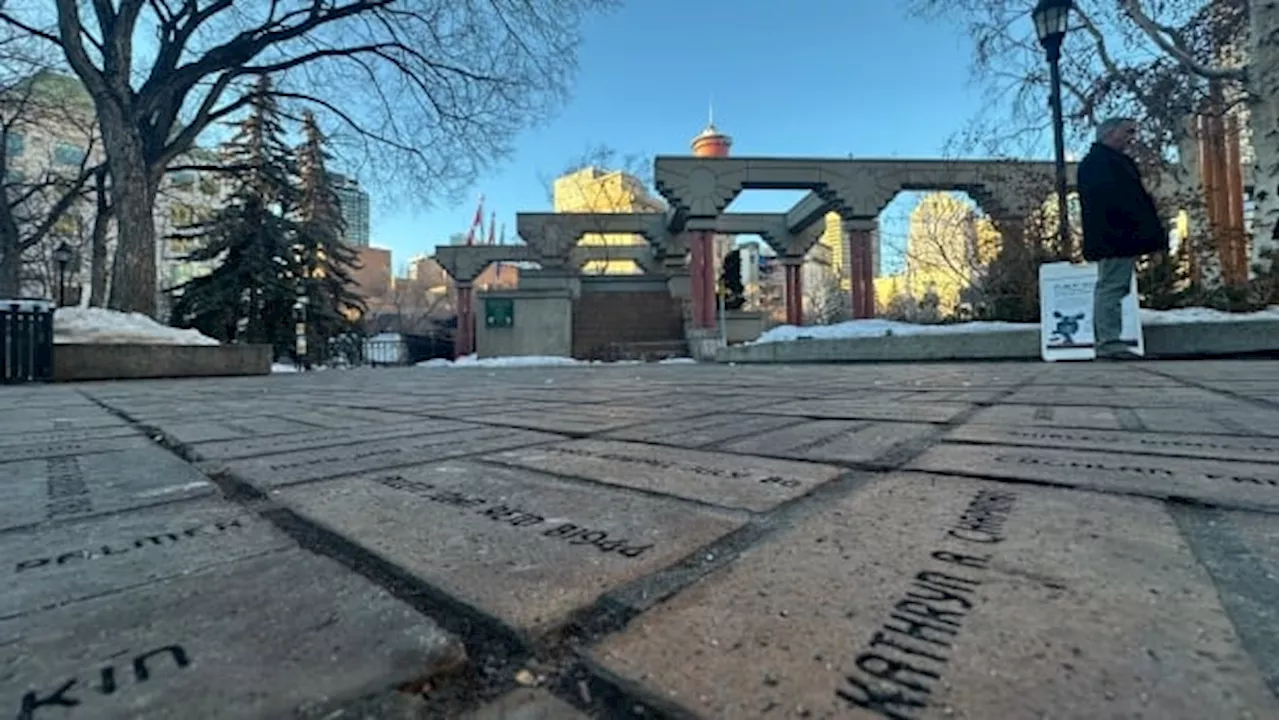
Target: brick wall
(601, 318)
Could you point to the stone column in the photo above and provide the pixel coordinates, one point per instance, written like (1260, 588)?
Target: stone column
(702, 279)
(794, 290)
(464, 338)
(861, 274)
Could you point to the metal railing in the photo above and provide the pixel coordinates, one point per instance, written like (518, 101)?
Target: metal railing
(26, 341)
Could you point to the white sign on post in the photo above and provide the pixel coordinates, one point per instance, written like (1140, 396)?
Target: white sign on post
(1066, 313)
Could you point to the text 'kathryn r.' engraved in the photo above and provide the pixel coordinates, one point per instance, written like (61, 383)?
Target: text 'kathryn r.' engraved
(160, 539)
(1130, 468)
(71, 693)
(516, 517)
(895, 674)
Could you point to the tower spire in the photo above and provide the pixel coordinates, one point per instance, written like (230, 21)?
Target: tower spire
(711, 111)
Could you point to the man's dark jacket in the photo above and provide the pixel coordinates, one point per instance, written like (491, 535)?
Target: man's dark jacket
(1118, 216)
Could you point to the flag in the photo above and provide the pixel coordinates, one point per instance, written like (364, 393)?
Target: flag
(493, 222)
(502, 240)
(477, 222)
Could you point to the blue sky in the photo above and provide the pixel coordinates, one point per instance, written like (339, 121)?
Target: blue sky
(817, 78)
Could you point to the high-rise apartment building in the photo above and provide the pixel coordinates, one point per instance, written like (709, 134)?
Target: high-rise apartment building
(353, 203)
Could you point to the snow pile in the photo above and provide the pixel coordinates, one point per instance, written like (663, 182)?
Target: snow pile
(886, 328)
(279, 367)
(880, 328)
(1181, 316)
(526, 361)
(512, 361)
(102, 326)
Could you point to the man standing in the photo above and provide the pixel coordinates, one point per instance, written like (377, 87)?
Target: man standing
(1120, 224)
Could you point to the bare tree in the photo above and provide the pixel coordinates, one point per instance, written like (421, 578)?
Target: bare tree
(444, 85)
(42, 192)
(1159, 62)
(603, 180)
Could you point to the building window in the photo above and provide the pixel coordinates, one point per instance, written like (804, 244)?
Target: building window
(67, 225)
(14, 145)
(14, 176)
(182, 215)
(209, 185)
(184, 179)
(68, 154)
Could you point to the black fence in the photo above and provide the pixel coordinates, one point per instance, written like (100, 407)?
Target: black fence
(407, 349)
(26, 341)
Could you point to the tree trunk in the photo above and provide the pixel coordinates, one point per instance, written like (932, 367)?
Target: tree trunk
(133, 194)
(98, 261)
(1263, 117)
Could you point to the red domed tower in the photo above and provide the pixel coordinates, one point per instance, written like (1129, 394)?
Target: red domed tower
(711, 142)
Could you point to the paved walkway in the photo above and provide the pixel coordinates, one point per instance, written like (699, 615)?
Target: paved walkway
(909, 541)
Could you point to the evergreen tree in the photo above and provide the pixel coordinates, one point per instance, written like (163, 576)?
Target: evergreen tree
(249, 295)
(324, 261)
(731, 281)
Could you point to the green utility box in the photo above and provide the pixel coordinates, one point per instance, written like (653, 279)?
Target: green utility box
(499, 312)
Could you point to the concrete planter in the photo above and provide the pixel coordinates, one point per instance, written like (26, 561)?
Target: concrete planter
(74, 362)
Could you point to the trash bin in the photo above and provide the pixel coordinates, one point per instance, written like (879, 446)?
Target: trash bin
(26, 340)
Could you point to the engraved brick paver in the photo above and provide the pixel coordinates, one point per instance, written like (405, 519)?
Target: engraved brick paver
(912, 542)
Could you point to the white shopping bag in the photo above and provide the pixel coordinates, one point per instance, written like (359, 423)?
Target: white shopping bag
(1066, 313)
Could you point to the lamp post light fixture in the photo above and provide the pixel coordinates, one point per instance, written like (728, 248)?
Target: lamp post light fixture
(1050, 17)
(62, 255)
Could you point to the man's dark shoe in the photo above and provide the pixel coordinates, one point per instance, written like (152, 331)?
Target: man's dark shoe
(1119, 356)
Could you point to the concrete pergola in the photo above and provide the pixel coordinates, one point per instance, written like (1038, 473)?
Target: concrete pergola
(698, 189)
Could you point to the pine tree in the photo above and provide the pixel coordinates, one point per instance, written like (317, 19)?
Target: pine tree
(325, 262)
(731, 281)
(249, 296)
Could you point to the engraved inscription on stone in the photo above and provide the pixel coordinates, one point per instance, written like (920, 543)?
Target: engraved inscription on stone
(731, 481)
(187, 431)
(319, 463)
(865, 409)
(63, 487)
(14, 453)
(13, 443)
(1048, 415)
(72, 561)
(254, 638)
(1204, 446)
(925, 597)
(249, 447)
(1232, 484)
(518, 545)
(831, 440)
(703, 430)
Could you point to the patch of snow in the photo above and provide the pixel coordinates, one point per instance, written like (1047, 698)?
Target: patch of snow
(678, 361)
(1181, 316)
(887, 328)
(495, 362)
(880, 328)
(278, 367)
(102, 326)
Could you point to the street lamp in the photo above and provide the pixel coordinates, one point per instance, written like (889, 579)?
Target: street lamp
(1050, 17)
(62, 255)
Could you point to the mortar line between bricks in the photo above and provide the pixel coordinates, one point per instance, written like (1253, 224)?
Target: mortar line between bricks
(1209, 388)
(483, 637)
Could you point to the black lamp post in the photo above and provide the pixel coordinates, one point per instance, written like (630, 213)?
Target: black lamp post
(62, 255)
(1050, 18)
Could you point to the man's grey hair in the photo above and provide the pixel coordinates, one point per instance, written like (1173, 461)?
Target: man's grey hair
(1110, 125)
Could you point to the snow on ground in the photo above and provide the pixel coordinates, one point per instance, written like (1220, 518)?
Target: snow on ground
(1204, 315)
(279, 367)
(531, 361)
(99, 325)
(884, 328)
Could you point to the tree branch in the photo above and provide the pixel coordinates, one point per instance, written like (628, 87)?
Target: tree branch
(1162, 38)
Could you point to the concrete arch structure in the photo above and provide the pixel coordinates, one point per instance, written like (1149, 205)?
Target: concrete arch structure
(699, 189)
